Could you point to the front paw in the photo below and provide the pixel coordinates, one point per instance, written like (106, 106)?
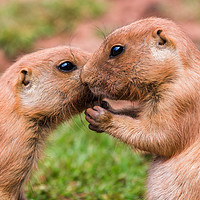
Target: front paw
(99, 118)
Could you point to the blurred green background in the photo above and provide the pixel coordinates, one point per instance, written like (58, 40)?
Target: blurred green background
(23, 22)
(78, 163)
(81, 164)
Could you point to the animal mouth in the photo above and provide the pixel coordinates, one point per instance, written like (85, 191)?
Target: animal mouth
(99, 93)
(112, 95)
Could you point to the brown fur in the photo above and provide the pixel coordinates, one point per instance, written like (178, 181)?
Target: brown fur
(35, 97)
(160, 69)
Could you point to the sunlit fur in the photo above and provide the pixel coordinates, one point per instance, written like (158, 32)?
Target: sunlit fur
(160, 69)
(30, 112)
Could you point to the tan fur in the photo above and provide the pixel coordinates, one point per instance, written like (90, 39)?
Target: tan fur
(34, 98)
(160, 69)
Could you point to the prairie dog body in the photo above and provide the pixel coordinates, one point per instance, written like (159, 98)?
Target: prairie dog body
(38, 92)
(152, 62)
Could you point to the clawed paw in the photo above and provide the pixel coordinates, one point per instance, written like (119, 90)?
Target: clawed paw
(98, 118)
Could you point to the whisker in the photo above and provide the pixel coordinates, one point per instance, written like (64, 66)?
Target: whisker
(125, 92)
(102, 32)
(72, 54)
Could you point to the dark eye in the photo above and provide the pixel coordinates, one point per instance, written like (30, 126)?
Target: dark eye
(116, 50)
(66, 66)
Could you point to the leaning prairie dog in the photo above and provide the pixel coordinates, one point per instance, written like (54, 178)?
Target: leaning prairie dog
(152, 62)
(38, 92)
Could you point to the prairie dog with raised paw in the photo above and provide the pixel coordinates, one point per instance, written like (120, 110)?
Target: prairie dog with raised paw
(152, 62)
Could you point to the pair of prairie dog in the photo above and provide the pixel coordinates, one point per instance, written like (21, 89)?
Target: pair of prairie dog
(151, 64)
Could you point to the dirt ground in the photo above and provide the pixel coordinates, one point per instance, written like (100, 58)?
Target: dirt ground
(119, 13)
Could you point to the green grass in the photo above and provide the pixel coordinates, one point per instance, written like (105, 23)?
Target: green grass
(23, 22)
(81, 164)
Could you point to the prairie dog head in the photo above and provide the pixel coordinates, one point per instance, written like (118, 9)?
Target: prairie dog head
(47, 83)
(144, 61)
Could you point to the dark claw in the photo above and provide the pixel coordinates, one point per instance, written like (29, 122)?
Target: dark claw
(104, 104)
(94, 128)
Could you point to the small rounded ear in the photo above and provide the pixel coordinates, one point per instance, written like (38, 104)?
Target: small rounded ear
(160, 37)
(25, 76)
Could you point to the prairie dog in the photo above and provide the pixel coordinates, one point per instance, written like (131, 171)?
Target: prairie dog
(38, 92)
(152, 62)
